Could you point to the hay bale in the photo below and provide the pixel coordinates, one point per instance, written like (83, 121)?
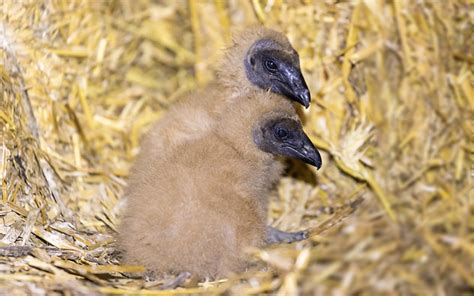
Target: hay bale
(392, 110)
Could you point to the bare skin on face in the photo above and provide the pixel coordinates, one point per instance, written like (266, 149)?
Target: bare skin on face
(205, 202)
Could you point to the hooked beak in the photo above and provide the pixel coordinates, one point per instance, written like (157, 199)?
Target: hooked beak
(304, 151)
(300, 90)
(294, 86)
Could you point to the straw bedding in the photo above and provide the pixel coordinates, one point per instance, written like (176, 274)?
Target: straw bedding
(390, 212)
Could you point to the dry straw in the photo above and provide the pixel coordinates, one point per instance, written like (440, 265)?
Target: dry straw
(391, 212)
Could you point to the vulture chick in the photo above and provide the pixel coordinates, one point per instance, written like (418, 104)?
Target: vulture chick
(198, 208)
(260, 60)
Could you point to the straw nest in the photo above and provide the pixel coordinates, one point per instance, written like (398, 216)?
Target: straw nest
(391, 211)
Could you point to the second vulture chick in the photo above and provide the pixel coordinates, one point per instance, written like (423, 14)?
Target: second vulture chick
(200, 207)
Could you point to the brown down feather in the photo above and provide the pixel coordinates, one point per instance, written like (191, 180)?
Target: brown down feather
(198, 208)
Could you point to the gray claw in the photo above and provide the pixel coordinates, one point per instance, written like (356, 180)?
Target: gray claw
(275, 236)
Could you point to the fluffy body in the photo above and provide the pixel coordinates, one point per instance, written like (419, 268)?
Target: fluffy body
(197, 193)
(198, 208)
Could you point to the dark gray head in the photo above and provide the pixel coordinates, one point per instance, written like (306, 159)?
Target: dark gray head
(285, 137)
(276, 67)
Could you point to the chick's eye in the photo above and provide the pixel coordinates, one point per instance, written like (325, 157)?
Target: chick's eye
(282, 133)
(270, 66)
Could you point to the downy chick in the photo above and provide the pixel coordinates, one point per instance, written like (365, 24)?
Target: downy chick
(260, 60)
(206, 201)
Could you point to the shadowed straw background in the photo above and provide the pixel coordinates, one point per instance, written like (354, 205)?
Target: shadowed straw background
(391, 211)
